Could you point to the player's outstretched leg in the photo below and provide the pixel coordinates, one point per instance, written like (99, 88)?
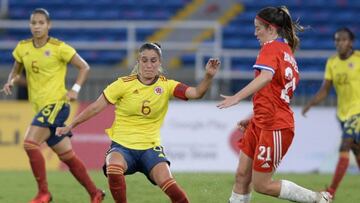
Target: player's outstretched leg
(78, 170)
(117, 185)
(173, 190)
(37, 163)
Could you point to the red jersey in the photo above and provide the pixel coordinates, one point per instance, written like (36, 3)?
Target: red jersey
(271, 103)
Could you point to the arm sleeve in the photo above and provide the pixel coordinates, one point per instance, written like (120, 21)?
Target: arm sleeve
(16, 54)
(66, 52)
(267, 59)
(114, 91)
(328, 72)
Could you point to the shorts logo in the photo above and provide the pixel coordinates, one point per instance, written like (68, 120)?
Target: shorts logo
(265, 165)
(158, 90)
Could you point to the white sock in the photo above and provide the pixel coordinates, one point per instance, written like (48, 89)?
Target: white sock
(293, 192)
(238, 198)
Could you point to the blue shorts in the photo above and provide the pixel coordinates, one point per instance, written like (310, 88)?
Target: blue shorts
(139, 160)
(349, 128)
(51, 117)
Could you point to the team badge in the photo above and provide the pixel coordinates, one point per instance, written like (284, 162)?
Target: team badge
(351, 65)
(47, 53)
(158, 90)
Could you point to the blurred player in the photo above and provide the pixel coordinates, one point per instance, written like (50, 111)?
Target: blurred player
(45, 61)
(270, 131)
(141, 102)
(343, 72)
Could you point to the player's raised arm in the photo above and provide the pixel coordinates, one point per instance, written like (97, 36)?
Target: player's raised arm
(198, 92)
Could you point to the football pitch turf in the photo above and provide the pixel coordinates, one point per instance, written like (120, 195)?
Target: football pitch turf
(19, 187)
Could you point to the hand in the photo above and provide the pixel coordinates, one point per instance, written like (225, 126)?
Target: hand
(305, 110)
(228, 101)
(7, 87)
(212, 66)
(71, 95)
(242, 125)
(62, 130)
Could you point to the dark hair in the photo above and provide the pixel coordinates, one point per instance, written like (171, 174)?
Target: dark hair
(152, 46)
(42, 11)
(280, 18)
(347, 30)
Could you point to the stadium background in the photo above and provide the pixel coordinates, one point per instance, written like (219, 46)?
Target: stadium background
(197, 136)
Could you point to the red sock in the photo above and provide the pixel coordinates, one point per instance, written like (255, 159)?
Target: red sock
(175, 193)
(78, 170)
(37, 163)
(340, 171)
(117, 185)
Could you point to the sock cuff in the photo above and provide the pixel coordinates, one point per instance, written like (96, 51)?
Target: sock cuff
(67, 155)
(30, 145)
(115, 169)
(240, 197)
(166, 184)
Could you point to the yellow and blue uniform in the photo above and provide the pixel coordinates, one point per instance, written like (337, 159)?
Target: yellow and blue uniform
(45, 73)
(345, 76)
(139, 113)
(140, 110)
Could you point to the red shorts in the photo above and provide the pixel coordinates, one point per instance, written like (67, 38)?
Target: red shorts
(266, 147)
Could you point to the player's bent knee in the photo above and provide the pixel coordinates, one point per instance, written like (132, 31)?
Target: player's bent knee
(115, 169)
(30, 145)
(261, 187)
(66, 155)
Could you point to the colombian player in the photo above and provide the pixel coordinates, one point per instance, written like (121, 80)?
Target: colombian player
(343, 72)
(269, 133)
(141, 102)
(45, 61)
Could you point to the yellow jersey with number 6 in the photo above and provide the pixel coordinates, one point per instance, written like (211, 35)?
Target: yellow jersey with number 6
(45, 70)
(139, 110)
(345, 76)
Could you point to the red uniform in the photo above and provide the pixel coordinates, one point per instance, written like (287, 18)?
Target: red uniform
(271, 130)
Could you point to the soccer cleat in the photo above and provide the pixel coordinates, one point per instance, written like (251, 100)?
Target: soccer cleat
(42, 198)
(325, 197)
(98, 197)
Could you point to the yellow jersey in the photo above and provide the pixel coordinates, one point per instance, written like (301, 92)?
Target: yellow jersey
(45, 70)
(139, 110)
(345, 76)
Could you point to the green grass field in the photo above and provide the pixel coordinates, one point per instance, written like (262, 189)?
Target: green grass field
(19, 187)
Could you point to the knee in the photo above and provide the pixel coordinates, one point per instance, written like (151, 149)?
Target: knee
(261, 187)
(242, 177)
(115, 169)
(30, 145)
(66, 155)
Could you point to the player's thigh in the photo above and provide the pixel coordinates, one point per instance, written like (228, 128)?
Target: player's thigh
(63, 146)
(160, 173)
(244, 168)
(116, 158)
(37, 134)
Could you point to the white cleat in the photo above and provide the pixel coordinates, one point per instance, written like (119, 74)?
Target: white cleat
(325, 197)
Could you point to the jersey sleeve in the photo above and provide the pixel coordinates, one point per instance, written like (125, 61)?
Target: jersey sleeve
(16, 54)
(178, 89)
(66, 52)
(328, 72)
(114, 91)
(267, 59)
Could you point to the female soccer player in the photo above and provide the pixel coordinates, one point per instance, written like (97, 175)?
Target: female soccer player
(270, 131)
(45, 61)
(343, 72)
(141, 102)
